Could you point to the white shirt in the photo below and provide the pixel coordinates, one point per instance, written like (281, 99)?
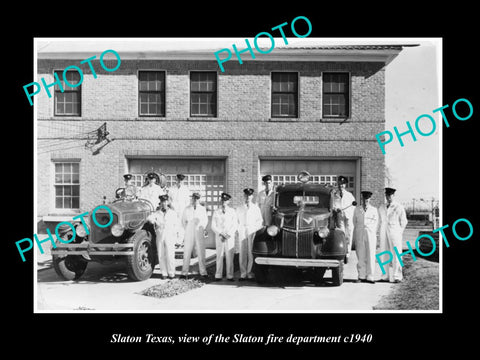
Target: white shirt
(226, 223)
(337, 202)
(194, 218)
(180, 197)
(394, 216)
(151, 193)
(164, 221)
(366, 219)
(249, 219)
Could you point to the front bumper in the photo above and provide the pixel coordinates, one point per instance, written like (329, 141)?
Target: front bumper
(330, 263)
(86, 249)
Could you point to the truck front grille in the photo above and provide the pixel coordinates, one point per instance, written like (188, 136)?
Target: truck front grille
(297, 244)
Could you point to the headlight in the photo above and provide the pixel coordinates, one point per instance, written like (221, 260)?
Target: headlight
(80, 230)
(117, 230)
(272, 230)
(323, 232)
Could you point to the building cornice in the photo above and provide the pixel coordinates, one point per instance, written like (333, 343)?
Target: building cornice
(355, 53)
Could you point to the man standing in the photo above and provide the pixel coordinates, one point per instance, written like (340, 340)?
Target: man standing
(151, 191)
(365, 223)
(165, 221)
(180, 195)
(342, 199)
(130, 191)
(265, 200)
(249, 221)
(224, 225)
(194, 221)
(393, 221)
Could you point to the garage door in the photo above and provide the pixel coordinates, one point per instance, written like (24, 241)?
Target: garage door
(322, 171)
(205, 176)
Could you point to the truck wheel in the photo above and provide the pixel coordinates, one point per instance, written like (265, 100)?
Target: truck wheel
(69, 267)
(337, 274)
(140, 264)
(261, 273)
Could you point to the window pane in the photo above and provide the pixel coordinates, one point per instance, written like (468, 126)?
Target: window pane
(72, 77)
(75, 202)
(59, 203)
(75, 190)
(58, 190)
(67, 190)
(195, 109)
(67, 202)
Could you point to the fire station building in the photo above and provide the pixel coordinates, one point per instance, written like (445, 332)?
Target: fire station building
(314, 108)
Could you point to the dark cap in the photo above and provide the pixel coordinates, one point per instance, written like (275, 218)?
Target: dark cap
(342, 179)
(267, 178)
(390, 191)
(225, 196)
(180, 177)
(127, 176)
(248, 191)
(196, 195)
(366, 194)
(163, 198)
(151, 175)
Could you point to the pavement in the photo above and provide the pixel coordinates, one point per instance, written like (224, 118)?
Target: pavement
(100, 284)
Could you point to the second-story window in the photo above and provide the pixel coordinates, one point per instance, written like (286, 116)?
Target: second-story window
(68, 101)
(336, 95)
(203, 93)
(284, 94)
(151, 93)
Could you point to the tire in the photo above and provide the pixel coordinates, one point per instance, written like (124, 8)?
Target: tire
(261, 273)
(140, 265)
(337, 274)
(70, 267)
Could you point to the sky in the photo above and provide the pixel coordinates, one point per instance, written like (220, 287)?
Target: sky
(412, 83)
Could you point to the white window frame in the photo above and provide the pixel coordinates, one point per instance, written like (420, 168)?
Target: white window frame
(337, 118)
(53, 207)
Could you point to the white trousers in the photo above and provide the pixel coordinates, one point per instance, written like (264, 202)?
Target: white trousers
(225, 249)
(166, 254)
(194, 238)
(393, 271)
(180, 231)
(246, 256)
(365, 247)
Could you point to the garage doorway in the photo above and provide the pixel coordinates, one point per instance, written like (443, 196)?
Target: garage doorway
(323, 171)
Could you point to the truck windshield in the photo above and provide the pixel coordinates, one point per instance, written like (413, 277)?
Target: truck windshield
(310, 199)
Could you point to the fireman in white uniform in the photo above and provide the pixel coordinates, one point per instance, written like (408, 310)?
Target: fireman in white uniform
(249, 221)
(151, 191)
(265, 200)
(194, 221)
(224, 225)
(393, 221)
(165, 222)
(365, 223)
(341, 199)
(180, 196)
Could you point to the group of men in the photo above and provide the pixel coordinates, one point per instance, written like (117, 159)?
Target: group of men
(362, 223)
(181, 219)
